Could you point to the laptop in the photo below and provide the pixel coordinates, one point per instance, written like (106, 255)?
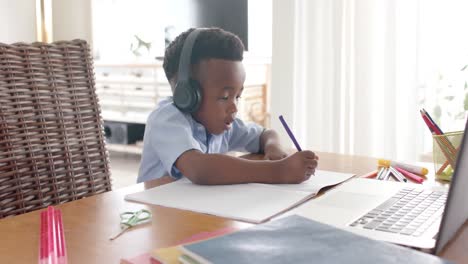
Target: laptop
(402, 213)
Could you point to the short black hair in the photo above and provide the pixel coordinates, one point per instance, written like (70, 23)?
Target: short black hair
(211, 43)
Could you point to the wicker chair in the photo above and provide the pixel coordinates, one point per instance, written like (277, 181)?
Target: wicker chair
(52, 147)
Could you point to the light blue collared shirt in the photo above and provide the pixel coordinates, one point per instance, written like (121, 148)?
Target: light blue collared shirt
(169, 133)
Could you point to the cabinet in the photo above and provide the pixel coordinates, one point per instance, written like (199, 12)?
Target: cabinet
(128, 92)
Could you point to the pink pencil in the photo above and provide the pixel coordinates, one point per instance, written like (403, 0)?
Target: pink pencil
(62, 249)
(52, 247)
(410, 175)
(371, 174)
(51, 241)
(43, 238)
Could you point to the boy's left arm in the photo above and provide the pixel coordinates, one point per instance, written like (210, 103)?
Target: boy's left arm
(270, 145)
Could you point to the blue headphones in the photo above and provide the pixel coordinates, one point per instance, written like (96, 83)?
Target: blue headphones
(187, 94)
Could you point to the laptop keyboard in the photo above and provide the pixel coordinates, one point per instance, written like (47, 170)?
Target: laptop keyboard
(409, 212)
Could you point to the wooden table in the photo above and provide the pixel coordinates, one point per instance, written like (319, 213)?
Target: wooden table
(91, 221)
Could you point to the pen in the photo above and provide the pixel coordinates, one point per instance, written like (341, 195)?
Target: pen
(381, 173)
(290, 133)
(387, 174)
(397, 174)
(411, 168)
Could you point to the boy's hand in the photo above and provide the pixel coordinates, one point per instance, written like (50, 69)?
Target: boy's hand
(274, 152)
(298, 167)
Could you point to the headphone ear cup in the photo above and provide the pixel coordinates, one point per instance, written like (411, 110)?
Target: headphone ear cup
(182, 96)
(187, 96)
(197, 94)
(187, 93)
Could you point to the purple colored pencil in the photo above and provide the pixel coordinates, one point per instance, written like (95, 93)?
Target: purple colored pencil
(290, 133)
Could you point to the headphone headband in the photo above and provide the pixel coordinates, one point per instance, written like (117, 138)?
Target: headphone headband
(187, 93)
(185, 56)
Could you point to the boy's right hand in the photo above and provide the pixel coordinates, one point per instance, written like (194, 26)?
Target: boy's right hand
(298, 167)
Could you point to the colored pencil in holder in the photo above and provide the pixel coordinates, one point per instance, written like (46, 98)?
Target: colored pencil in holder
(435, 130)
(442, 155)
(446, 147)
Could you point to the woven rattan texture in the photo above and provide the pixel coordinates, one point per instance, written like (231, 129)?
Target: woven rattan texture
(52, 147)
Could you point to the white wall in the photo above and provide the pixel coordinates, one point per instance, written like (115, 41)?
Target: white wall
(17, 21)
(71, 20)
(260, 27)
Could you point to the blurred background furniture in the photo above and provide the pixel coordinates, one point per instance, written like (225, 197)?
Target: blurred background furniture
(52, 145)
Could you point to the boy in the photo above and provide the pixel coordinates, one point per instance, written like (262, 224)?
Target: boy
(180, 142)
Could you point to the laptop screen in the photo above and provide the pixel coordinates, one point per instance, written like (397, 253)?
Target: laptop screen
(456, 211)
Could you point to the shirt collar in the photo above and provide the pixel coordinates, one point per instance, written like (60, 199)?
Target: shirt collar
(199, 130)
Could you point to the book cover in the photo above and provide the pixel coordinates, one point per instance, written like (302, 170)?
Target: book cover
(172, 254)
(295, 239)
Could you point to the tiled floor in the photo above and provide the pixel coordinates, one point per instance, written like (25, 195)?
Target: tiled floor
(124, 168)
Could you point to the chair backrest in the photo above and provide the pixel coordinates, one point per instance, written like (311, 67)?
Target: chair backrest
(52, 147)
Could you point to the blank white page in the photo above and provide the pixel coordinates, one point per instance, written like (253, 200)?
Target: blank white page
(253, 203)
(318, 181)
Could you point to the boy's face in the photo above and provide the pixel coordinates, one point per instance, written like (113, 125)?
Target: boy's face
(222, 83)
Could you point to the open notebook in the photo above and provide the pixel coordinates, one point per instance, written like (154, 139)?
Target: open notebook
(253, 202)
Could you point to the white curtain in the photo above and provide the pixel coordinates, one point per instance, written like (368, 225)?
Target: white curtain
(344, 74)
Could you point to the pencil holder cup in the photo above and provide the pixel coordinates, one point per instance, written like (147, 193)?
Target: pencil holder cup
(445, 151)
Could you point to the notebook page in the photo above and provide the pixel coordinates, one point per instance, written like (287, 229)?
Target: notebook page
(253, 203)
(316, 182)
